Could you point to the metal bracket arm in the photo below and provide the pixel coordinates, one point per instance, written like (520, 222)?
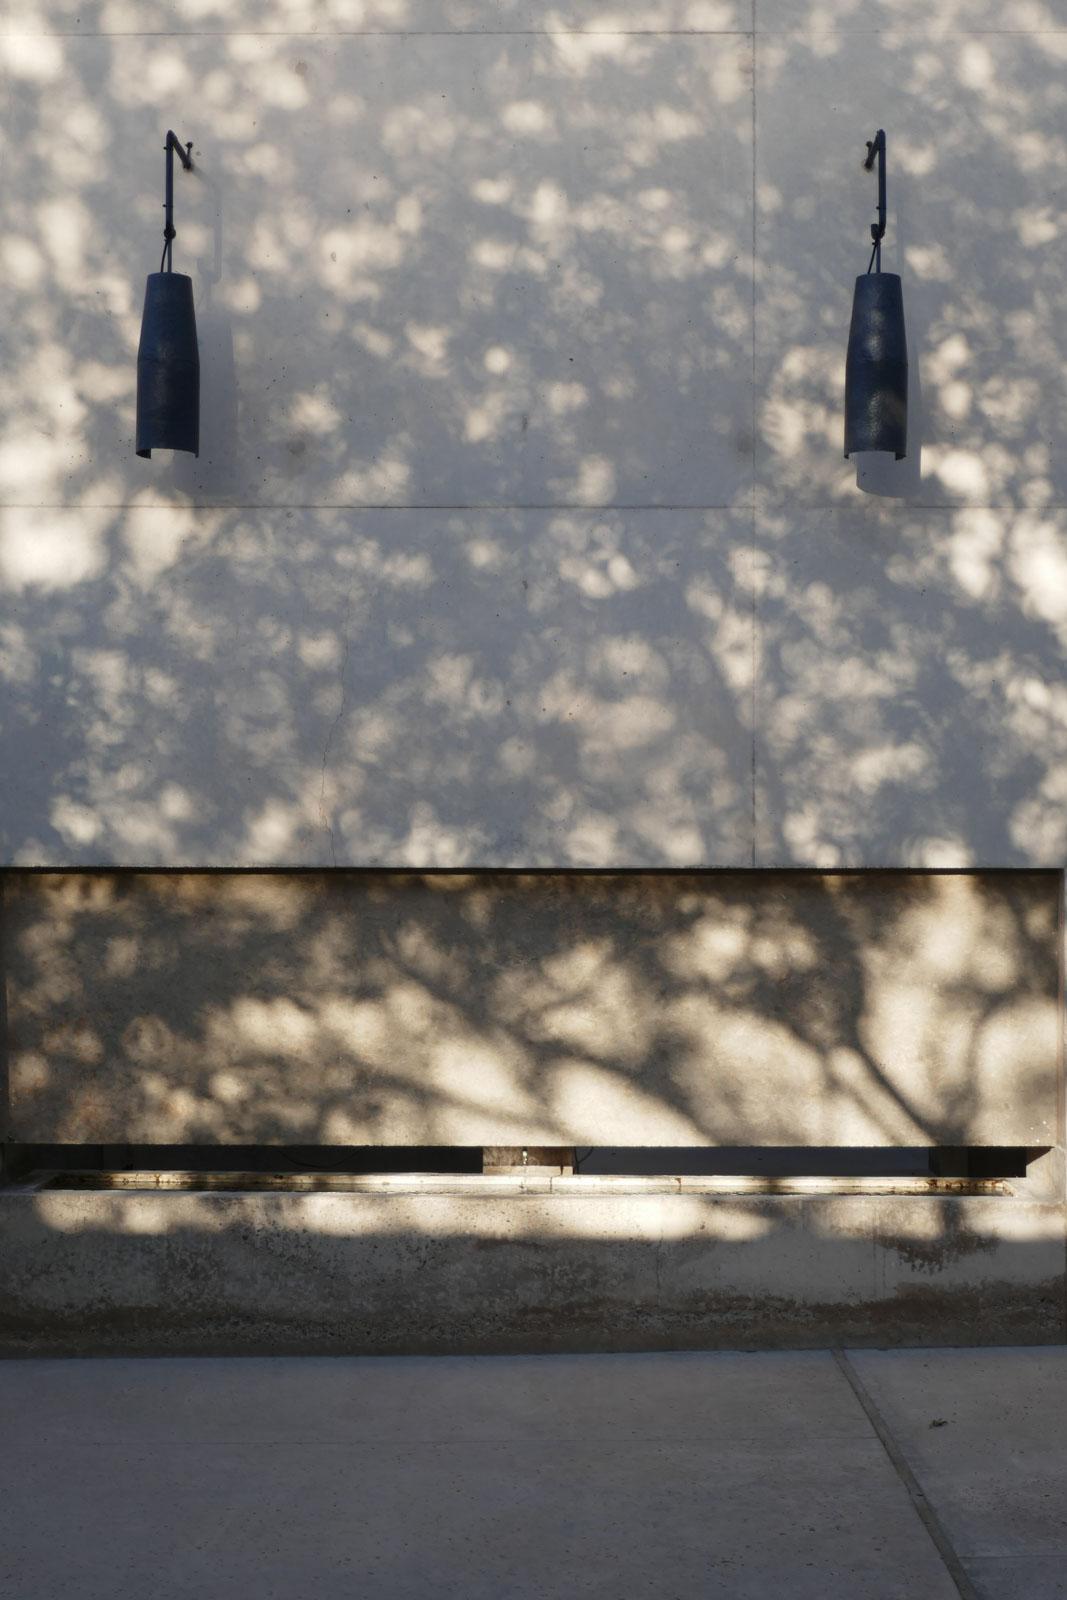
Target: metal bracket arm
(185, 157)
(876, 147)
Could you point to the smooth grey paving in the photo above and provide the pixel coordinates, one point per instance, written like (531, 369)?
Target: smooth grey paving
(985, 1432)
(442, 1399)
(551, 1517)
(1001, 1578)
(595, 1477)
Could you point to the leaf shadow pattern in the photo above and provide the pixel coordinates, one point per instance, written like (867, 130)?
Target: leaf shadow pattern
(477, 1009)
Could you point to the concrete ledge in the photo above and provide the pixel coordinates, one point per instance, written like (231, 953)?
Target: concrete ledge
(143, 1273)
(482, 1185)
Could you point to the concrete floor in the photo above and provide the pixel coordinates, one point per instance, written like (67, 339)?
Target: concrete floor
(802, 1476)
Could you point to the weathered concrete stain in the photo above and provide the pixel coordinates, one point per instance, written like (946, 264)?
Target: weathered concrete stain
(146, 1274)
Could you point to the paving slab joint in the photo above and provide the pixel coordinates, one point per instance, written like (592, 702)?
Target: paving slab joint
(925, 1511)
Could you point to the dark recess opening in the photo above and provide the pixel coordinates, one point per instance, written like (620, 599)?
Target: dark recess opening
(588, 1161)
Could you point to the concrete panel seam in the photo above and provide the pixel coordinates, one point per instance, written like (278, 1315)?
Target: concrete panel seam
(591, 507)
(754, 666)
(924, 1510)
(401, 33)
(947, 508)
(1061, 1088)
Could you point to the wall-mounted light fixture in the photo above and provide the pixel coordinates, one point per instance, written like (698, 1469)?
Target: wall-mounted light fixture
(168, 360)
(876, 370)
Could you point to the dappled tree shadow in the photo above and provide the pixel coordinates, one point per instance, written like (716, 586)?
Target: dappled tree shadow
(908, 709)
(556, 1009)
(626, 603)
(464, 288)
(548, 688)
(521, 536)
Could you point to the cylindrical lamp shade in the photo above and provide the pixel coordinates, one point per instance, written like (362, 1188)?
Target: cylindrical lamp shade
(168, 367)
(876, 371)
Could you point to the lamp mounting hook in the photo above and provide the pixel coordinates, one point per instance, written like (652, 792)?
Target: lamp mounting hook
(876, 147)
(185, 156)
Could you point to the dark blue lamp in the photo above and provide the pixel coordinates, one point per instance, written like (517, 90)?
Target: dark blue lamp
(168, 361)
(876, 368)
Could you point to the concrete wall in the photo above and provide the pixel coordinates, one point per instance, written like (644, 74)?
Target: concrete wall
(521, 536)
(84, 1273)
(488, 1009)
(521, 532)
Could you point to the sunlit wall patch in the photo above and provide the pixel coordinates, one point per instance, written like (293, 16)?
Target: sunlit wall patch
(168, 360)
(876, 369)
